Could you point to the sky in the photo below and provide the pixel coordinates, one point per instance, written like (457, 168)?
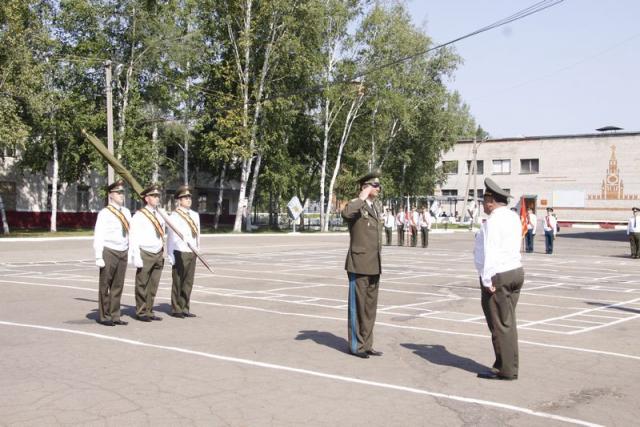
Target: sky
(569, 69)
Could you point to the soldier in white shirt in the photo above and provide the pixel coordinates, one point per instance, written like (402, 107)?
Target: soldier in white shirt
(146, 251)
(550, 227)
(400, 221)
(181, 257)
(111, 242)
(532, 225)
(414, 219)
(497, 259)
(389, 224)
(425, 226)
(633, 231)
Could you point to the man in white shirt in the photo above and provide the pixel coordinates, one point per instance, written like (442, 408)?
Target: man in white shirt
(110, 243)
(389, 224)
(181, 257)
(633, 231)
(146, 251)
(425, 226)
(414, 219)
(532, 225)
(400, 221)
(497, 259)
(550, 227)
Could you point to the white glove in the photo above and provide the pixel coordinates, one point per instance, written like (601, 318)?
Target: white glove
(100, 262)
(137, 262)
(172, 259)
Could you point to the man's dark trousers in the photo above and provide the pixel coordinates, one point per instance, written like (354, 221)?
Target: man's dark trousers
(363, 304)
(500, 313)
(111, 282)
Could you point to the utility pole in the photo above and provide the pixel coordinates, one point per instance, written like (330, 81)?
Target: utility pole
(475, 186)
(107, 69)
(471, 171)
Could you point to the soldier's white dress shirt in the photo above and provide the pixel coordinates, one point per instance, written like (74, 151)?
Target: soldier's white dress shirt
(633, 226)
(174, 243)
(108, 231)
(497, 244)
(550, 223)
(389, 220)
(143, 234)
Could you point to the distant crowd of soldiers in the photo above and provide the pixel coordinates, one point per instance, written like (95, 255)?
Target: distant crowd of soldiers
(408, 222)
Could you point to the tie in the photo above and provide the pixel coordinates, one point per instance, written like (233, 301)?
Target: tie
(548, 222)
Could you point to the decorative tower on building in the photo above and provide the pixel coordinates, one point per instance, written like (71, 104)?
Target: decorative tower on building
(612, 185)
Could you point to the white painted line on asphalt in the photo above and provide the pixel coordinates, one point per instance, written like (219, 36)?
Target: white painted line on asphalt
(590, 310)
(341, 319)
(342, 378)
(605, 325)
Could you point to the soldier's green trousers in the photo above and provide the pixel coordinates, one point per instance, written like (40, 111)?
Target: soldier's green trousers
(363, 303)
(111, 282)
(500, 313)
(147, 280)
(182, 273)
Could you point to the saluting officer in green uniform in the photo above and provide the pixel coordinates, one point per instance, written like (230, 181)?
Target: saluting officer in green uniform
(364, 218)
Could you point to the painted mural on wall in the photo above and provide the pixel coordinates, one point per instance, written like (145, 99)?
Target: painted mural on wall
(612, 187)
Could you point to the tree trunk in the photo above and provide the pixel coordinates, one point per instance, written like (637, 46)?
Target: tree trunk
(216, 219)
(54, 188)
(252, 192)
(156, 153)
(5, 224)
(124, 93)
(348, 123)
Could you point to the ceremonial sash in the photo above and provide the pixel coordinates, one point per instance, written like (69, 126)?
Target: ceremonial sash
(154, 221)
(187, 218)
(122, 218)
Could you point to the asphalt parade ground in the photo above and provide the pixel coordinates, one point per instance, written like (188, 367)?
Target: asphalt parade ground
(268, 347)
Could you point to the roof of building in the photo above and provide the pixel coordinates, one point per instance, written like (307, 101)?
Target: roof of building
(538, 138)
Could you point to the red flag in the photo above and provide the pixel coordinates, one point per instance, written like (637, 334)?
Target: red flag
(524, 218)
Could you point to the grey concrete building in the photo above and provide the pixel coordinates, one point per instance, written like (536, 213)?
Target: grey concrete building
(588, 178)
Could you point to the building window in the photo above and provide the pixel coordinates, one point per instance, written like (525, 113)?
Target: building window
(502, 166)
(82, 198)
(449, 192)
(49, 192)
(529, 166)
(480, 193)
(479, 167)
(202, 201)
(9, 195)
(450, 167)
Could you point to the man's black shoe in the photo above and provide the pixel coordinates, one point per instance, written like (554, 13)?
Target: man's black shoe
(361, 355)
(177, 315)
(155, 318)
(189, 315)
(492, 376)
(373, 352)
(120, 322)
(143, 318)
(107, 323)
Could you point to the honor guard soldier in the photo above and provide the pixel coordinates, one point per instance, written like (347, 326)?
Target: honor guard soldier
(389, 224)
(181, 257)
(400, 221)
(425, 226)
(497, 259)
(363, 265)
(146, 246)
(633, 231)
(111, 242)
(532, 225)
(550, 227)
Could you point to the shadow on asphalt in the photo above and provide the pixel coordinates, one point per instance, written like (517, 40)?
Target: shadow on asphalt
(628, 310)
(439, 355)
(611, 235)
(325, 338)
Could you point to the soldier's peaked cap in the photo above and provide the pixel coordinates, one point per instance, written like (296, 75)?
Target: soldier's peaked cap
(370, 177)
(183, 191)
(635, 209)
(493, 189)
(151, 190)
(116, 186)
